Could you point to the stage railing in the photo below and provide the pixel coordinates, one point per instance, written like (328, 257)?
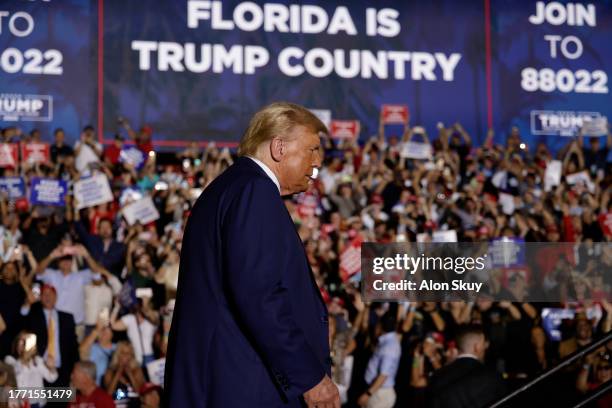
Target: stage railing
(564, 363)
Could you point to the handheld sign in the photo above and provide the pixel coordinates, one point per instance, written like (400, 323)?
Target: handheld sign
(344, 129)
(35, 153)
(8, 155)
(13, 186)
(46, 191)
(92, 191)
(142, 211)
(324, 116)
(416, 150)
(595, 127)
(395, 114)
(133, 156)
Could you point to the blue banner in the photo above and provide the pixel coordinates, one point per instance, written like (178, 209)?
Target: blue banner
(196, 71)
(132, 156)
(45, 191)
(13, 187)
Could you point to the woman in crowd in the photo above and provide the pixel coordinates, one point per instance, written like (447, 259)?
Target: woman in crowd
(31, 370)
(124, 376)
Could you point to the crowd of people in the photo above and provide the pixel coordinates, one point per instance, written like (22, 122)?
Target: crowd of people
(86, 298)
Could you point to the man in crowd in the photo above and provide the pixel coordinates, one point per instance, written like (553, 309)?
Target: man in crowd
(55, 333)
(102, 246)
(71, 284)
(382, 367)
(466, 382)
(89, 394)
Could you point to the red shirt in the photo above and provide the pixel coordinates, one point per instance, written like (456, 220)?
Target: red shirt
(145, 146)
(97, 399)
(112, 154)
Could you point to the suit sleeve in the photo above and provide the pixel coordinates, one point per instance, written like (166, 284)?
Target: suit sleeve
(253, 240)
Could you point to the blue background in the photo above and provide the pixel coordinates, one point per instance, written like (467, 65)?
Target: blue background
(208, 106)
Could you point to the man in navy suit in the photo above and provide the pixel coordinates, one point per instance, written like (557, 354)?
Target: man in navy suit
(250, 328)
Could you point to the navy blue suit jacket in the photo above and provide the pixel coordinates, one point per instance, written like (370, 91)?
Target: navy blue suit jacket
(250, 328)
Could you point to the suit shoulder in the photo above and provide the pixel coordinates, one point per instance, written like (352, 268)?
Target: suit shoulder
(68, 317)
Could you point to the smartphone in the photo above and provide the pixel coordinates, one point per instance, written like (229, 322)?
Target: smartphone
(161, 186)
(104, 316)
(144, 293)
(69, 250)
(145, 236)
(30, 342)
(419, 130)
(36, 290)
(18, 253)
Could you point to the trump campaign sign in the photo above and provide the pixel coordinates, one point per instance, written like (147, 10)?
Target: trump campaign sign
(47, 191)
(8, 155)
(395, 114)
(35, 153)
(344, 129)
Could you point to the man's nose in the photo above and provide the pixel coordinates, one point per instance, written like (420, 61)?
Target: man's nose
(317, 160)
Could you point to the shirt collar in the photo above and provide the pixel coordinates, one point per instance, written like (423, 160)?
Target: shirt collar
(269, 172)
(468, 355)
(387, 337)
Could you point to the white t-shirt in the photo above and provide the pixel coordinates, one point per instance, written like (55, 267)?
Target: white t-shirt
(146, 333)
(32, 375)
(86, 156)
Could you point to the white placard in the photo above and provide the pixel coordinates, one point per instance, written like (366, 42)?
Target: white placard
(416, 150)
(324, 116)
(142, 211)
(92, 191)
(581, 177)
(595, 127)
(507, 203)
(156, 371)
(444, 236)
(552, 177)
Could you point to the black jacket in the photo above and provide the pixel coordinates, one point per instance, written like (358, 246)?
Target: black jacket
(465, 383)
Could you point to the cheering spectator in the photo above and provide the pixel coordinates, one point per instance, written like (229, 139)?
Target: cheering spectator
(71, 284)
(102, 246)
(30, 369)
(139, 327)
(124, 377)
(43, 236)
(55, 333)
(150, 395)
(87, 151)
(14, 284)
(98, 347)
(59, 149)
(89, 394)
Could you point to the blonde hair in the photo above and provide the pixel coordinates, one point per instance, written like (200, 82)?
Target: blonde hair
(276, 120)
(121, 346)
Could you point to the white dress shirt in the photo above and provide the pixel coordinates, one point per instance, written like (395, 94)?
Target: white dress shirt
(268, 171)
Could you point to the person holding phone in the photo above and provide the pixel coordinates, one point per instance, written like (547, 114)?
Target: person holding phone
(70, 285)
(55, 332)
(98, 347)
(31, 370)
(140, 324)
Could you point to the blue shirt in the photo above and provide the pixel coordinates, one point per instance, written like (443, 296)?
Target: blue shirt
(70, 290)
(101, 357)
(385, 360)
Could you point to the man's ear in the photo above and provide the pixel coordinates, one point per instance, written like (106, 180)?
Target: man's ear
(277, 148)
